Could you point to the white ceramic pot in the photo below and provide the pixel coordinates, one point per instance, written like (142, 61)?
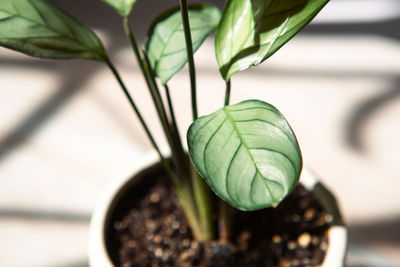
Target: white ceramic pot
(99, 256)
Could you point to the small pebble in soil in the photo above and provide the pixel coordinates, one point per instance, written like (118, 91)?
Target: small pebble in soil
(158, 252)
(154, 233)
(295, 218)
(304, 240)
(276, 239)
(291, 245)
(321, 220)
(309, 214)
(243, 240)
(175, 225)
(186, 243)
(131, 243)
(328, 218)
(324, 245)
(157, 239)
(183, 230)
(295, 262)
(315, 240)
(154, 198)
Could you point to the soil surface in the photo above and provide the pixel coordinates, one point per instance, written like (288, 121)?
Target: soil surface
(155, 233)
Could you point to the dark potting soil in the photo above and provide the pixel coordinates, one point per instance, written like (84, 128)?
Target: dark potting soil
(154, 233)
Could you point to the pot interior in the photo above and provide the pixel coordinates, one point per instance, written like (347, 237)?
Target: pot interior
(128, 197)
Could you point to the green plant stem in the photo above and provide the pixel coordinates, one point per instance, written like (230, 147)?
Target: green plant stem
(200, 189)
(135, 49)
(225, 221)
(178, 153)
(189, 50)
(172, 134)
(184, 197)
(203, 201)
(174, 127)
(136, 110)
(171, 108)
(225, 211)
(189, 210)
(183, 186)
(147, 76)
(188, 203)
(227, 93)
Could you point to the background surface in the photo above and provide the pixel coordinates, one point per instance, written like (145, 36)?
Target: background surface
(66, 130)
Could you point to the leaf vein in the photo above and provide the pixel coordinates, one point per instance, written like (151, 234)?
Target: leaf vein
(227, 173)
(245, 146)
(273, 125)
(278, 152)
(209, 141)
(18, 14)
(201, 127)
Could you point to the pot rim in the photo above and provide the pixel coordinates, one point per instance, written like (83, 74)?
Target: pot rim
(97, 251)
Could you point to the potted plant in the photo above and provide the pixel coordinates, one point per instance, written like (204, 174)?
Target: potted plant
(246, 153)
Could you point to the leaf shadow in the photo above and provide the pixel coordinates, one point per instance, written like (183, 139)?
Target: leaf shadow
(365, 110)
(384, 231)
(70, 85)
(48, 216)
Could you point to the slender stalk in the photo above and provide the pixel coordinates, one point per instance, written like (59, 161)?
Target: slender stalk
(199, 187)
(172, 134)
(201, 191)
(170, 107)
(135, 49)
(187, 202)
(227, 93)
(174, 127)
(176, 147)
(183, 186)
(225, 211)
(203, 201)
(136, 110)
(173, 122)
(225, 221)
(189, 50)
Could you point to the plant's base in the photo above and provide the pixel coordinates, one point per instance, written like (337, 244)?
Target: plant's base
(155, 233)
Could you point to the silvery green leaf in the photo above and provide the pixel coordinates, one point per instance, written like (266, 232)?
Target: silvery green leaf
(250, 31)
(123, 7)
(39, 29)
(247, 153)
(166, 46)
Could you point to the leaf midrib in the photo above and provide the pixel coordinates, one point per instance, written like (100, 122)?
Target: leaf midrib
(228, 115)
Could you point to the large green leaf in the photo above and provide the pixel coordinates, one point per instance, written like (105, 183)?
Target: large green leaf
(123, 7)
(39, 29)
(166, 46)
(250, 31)
(247, 153)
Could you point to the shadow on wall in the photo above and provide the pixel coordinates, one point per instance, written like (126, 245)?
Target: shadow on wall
(377, 233)
(365, 110)
(97, 14)
(71, 79)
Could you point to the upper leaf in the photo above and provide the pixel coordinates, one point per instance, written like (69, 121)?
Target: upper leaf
(39, 29)
(252, 30)
(247, 153)
(123, 7)
(166, 46)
